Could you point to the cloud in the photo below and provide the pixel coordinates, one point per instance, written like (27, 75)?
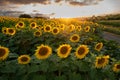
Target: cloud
(83, 2)
(10, 13)
(5, 2)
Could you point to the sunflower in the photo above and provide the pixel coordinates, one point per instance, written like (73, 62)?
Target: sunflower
(64, 50)
(4, 52)
(62, 27)
(71, 28)
(98, 46)
(43, 52)
(79, 28)
(74, 38)
(37, 33)
(24, 59)
(11, 31)
(47, 28)
(4, 30)
(116, 68)
(81, 51)
(87, 28)
(33, 25)
(101, 61)
(21, 24)
(55, 30)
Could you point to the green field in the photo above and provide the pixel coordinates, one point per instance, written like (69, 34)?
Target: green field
(112, 26)
(115, 23)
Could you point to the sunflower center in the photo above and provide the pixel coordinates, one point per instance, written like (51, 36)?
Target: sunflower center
(10, 30)
(43, 51)
(37, 33)
(87, 28)
(2, 52)
(98, 46)
(64, 50)
(74, 38)
(118, 66)
(101, 61)
(20, 24)
(55, 30)
(81, 51)
(24, 59)
(47, 28)
(33, 25)
(4, 31)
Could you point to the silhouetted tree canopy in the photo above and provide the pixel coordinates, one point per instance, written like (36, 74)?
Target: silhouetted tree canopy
(24, 16)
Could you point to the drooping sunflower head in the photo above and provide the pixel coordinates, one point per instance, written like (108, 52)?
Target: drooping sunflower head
(116, 67)
(11, 31)
(101, 61)
(81, 51)
(47, 28)
(4, 30)
(24, 59)
(37, 33)
(4, 52)
(55, 30)
(98, 46)
(33, 25)
(43, 52)
(64, 50)
(87, 28)
(74, 38)
(21, 24)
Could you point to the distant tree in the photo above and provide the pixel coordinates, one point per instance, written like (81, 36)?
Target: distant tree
(24, 16)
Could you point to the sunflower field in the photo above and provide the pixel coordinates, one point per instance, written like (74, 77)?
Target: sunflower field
(56, 49)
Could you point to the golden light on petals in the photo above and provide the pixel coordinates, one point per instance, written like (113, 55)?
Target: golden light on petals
(98, 46)
(116, 68)
(4, 52)
(43, 52)
(87, 28)
(81, 51)
(101, 61)
(64, 50)
(37, 33)
(75, 38)
(55, 30)
(24, 59)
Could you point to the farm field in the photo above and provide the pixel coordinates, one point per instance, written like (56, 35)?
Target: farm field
(56, 49)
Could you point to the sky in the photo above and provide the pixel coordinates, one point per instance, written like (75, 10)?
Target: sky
(59, 8)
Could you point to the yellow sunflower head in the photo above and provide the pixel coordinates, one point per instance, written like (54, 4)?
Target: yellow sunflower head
(116, 68)
(55, 30)
(87, 28)
(101, 61)
(24, 59)
(11, 31)
(71, 28)
(33, 25)
(98, 46)
(43, 52)
(4, 52)
(82, 51)
(37, 33)
(21, 24)
(79, 28)
(64, 50)
(75, 38)
(4, 30)
(62, 27)
(47, 28)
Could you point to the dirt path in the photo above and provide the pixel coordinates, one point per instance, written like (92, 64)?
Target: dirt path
(111, 36)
